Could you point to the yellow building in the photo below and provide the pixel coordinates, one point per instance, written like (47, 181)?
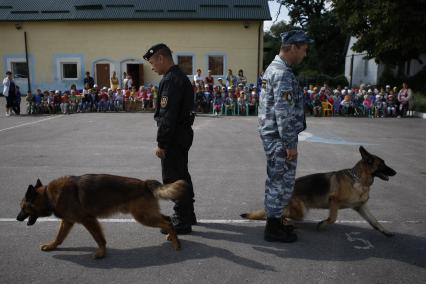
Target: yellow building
(64, 39)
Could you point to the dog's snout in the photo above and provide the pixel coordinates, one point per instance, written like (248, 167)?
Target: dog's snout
(22, 216)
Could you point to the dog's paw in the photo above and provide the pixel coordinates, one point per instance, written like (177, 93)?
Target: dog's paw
(388, 234)
(322, 225)
(100, 253)
(48, 247)
(169, 238)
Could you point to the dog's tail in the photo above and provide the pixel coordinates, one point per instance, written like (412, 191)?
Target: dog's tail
(255, 215)
(171, 191)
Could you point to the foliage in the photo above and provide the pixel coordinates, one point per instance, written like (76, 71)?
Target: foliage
(416, 82)
(420, 102)
(327, 54)
(391, 31)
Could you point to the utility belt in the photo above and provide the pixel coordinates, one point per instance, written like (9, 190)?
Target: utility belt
(187, 122)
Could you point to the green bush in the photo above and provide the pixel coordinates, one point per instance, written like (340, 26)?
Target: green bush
(420, 102)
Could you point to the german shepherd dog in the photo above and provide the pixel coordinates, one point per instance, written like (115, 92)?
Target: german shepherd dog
(348, 188)
(82, 199)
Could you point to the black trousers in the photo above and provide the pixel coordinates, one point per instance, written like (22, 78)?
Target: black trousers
(175, 166)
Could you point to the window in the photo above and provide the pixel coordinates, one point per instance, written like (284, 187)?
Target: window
(19, 69)
(185, 63)
(216, 64)
(69, 71)
(68, 68)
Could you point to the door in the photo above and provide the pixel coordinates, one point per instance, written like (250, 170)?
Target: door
(136, 72)
(102, 75)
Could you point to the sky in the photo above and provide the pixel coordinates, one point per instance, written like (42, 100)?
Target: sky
(273, 8)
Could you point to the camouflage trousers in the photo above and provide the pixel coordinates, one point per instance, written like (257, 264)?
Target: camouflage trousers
(281, 173)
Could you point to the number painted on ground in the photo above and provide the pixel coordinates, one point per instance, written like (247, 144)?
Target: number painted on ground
(366, 244)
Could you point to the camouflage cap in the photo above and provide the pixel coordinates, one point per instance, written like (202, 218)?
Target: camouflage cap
(295, 36)
(154, 49)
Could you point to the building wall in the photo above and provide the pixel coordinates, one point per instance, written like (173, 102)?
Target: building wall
(120, 42)
(363, 71)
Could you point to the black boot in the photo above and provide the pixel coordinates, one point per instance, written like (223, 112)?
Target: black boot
(275, 231)
(181, 227)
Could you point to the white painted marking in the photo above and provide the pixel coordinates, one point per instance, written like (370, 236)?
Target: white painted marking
(211, 221)
(367, 244)
(29, 123)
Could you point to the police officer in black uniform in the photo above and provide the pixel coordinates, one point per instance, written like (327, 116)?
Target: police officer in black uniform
(174, 116)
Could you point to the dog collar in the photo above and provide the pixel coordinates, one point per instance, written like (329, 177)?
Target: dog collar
(353, 175)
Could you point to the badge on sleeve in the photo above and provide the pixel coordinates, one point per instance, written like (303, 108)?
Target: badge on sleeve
(164, 100)
(288, 96)
(264, 84)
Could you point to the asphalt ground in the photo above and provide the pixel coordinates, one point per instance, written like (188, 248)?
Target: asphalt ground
(227, 164)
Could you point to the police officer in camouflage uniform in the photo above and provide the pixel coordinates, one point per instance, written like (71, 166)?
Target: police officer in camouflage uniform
(174, 115)
(281, 119)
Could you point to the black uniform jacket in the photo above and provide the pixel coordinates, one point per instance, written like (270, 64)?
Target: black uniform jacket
(175, 102)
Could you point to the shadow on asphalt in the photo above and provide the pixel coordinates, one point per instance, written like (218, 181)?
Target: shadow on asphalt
(330, 245)
(155, 256)
(334, 244)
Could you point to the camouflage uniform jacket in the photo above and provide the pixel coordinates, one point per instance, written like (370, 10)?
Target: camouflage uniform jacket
(281, 111)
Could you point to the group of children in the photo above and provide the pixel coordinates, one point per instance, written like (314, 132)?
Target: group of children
(365, 101)
(91, 100)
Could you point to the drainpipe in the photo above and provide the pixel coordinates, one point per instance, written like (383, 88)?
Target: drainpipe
(258, 50)
(28, 64)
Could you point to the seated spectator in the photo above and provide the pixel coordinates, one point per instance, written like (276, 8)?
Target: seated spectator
(241, 102)
(110, 105)
(347, 105)
(368, 103)
(118, 100)
(38, 102)
(317, 106)
(65, 103)
(57, 100)
(380, 104)
(391, 104)
(207, 99)
(73, 101)
(51, 102)
(217, 101)
(30, 103)
(103, 100)
(44, 102)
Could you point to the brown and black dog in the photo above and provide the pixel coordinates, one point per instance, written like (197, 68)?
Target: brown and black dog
(82, 199)
(347, 188)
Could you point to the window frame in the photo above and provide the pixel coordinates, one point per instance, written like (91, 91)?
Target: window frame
(68, 60)
(217, 54)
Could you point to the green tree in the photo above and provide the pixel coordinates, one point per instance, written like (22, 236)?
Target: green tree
(391, 31)
(327, 54)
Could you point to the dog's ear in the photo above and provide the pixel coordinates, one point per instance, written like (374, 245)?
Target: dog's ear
(31, 193)
(365, 155)
(38, 183)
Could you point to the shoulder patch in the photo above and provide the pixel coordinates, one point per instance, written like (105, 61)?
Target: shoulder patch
(288, 96)
(264, 82)
(164, 101)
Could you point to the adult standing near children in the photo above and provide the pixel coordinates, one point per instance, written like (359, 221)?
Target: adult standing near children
(281, 119)
(174, 116)
(9, 91)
